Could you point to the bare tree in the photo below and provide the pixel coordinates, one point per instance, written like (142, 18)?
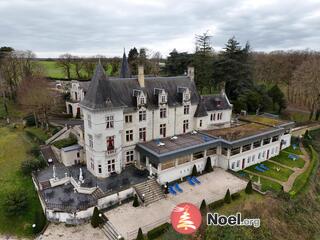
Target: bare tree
(65, 61)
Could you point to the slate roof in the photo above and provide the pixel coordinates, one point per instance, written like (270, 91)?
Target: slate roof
(201, 110)
(107, 92)
(124, 69)
(212, 103)
(84, 85)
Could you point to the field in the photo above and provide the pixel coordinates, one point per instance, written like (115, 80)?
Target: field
(282, 158)
(14, 147)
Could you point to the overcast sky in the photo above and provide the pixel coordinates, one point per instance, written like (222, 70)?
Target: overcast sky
(90, 27)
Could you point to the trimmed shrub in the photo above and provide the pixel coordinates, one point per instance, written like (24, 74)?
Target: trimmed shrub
(40, 222)
(140, 235)
(30, 121)
(227, 197)
(216, 204)
(158, 231)
(208, 167)
(15, 202)
(235, 196)
(136, 201)
(248, 189)
(66, 142)
(95, 219)
(203, 207)
(194, 171)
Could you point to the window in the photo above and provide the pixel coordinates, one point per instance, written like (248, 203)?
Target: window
(232, 165)
(129, 156)
(184, 159)
(109, 122)
(198, 155)
(211, 151)
(92, 163)
(224, 151)
(163, 130)
(185, 125)
(186, 109)
(167, 165)
(89, 121)
(90, 140)
(142, 100)
(266, 141)
(219, 116)
(275, 138)
(256, 144)
(142, 134)
(142, 115)
(163, 98)
(163, 112)
(129, 135)
(186, 96)
(235, 151)
(253, 158)
(99, 168)
(213, 116)
(111, 166)
(259, 155)
(128, 118)
(200, 123)
(238, 163)
(246, 147)
(78, 154)
(110, 143)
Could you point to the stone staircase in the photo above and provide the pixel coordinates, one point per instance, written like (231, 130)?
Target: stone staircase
(109, 230)
(98, 193)
(151, 191)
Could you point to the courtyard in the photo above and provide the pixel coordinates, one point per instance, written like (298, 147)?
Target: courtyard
(213, 187)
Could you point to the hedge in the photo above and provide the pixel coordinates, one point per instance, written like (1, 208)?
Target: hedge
(216, 204)
(303, 179)
(66, 142)
(158, 231)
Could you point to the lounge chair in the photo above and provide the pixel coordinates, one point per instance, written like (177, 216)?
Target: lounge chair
(259, 169)
(190, 181)
(263, 166)
(172, 191)
(196, 180)
(178, 188)
(293, 157)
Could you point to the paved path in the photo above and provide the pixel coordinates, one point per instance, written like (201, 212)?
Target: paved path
(297, 171)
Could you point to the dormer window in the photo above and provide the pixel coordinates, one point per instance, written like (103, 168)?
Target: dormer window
(142, 101)
(186, 96)
(163, 98)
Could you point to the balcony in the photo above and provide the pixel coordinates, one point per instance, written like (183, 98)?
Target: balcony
(111, 152)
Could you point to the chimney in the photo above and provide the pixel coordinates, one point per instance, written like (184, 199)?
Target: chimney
(141, 75)
(191, 73)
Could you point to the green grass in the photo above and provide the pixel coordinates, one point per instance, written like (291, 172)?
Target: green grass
(303, 179)
(282, 175)
(14, 147)
(38, 133)
(13, 110)
(282, 158)
(266, 184)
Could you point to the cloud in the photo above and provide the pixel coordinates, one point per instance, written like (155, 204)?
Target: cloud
(83, 27)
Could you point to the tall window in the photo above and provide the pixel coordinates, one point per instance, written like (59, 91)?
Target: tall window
(213, 116)
(90, 140)
(163, 112)
(92, 163)
(100, 168)
(186, 109)
(111, 166)
(130, 156)
(89, 121)
(200, 123)
(129, 135)
(142, 134)
(142, 115)
(128, 118)
(185, 125)
(110, 143)
(142, 100)
(163, 98)
(163, 130)
(109, 122)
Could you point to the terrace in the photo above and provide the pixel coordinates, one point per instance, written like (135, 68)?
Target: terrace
(263, 120)
(240, 131)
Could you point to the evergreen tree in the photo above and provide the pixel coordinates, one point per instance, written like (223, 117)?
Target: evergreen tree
(136, 201)
(277, 97)
(96, 219)
(203, 207)
(133, 60)
(194, 171)
(227, 198)
(177, 63)
(208, 166)
(140, 235)
(248, 189)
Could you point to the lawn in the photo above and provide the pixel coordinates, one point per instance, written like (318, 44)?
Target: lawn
(37, 133)
(283, 159)
(14, 147)
(282, 175)
(13, 110)
(266, 184)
